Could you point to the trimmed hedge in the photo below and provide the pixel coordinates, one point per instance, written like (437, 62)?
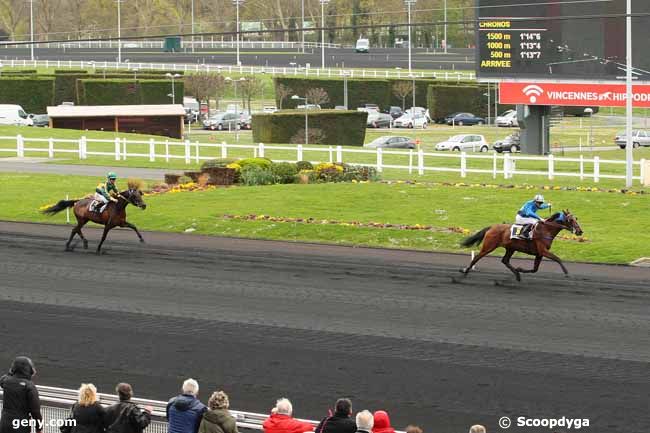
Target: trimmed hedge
(33, 94)
(126, 91)
(18, 72)
(443, 100)
(360, 91)
(344, 128)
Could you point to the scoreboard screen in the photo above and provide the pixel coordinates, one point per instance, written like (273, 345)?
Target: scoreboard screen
(560, 39)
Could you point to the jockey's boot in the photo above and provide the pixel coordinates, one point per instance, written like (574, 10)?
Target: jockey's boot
(525, 232)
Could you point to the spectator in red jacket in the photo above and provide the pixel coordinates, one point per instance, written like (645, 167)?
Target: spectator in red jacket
(382, 423)
(281, 420)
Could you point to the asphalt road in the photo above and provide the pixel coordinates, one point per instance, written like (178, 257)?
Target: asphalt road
(462, 59)
(388, 329)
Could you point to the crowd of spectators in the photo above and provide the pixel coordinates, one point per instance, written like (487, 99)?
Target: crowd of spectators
(185, 413)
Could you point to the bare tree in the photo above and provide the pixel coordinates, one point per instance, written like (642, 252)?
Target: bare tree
(282, 93)
(251, 87)
(203, 85)
(317, 96)
(402, 89)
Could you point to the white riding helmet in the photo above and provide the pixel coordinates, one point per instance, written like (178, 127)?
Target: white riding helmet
(539, 198)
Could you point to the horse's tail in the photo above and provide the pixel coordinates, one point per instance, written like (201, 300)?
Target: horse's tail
(475, 239)
(61, 205)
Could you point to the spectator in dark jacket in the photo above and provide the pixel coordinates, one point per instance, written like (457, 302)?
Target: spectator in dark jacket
(20, 402)
(382, 423)
(126, 416)
(217, 419)
(88, 414)
(340, 422)
(184, 412)
(281, 420)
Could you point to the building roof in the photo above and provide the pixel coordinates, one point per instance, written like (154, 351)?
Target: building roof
(115, 110)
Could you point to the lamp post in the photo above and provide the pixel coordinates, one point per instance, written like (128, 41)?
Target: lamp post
(346, 74)
(237, 3)
(119, 31)
(296, 97)
(234, 83)
(589, 111)
(628, 102)
(173, 94)
(322, 32)
(410, 3)
(445, 18)
(31, 27)
(302, 25)
(192, 13)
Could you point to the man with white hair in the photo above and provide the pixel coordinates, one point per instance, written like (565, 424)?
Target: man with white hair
(365, 421)
(184, 412)
(281, 420)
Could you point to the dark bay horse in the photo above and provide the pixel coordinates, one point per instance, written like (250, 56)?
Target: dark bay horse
(544, 233)
(113, 215)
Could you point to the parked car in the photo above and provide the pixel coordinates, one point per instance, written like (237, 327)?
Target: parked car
(221, 121)
(639, 138)
(363, 46)
(418, 120)
(40, 120)
(270, 109)
(474, 143)
(369, 108)
(395, 112)
(392, 141)
(308, 107)
(379, 120)
(245, 121)
(461, 119)
(14, 115)
(510, 144)
(508, 119)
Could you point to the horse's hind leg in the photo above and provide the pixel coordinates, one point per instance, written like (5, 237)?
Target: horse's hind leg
(506, 261)
(487, 249)
(81, 235)
(99, 247)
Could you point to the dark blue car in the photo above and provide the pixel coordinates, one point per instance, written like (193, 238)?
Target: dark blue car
(461, 119)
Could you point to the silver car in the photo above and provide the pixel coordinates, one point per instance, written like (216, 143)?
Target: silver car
(471, 142)
(639, 138)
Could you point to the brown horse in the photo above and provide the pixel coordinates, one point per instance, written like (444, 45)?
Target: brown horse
(543, 235)
(113, 215)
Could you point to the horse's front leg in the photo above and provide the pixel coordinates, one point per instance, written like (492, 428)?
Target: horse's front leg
(134, 228)
(506, 261)
(550, 255)
(538, 260)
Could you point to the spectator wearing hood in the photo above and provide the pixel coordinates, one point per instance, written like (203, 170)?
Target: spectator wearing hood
(365, 422)
(88, 413)
(20, 401)
(126, 416)
(340, 422)
(281, 420)
(184, 412)
(382, 423)
(217, 419)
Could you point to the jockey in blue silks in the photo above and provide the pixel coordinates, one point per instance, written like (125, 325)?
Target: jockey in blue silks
(527, 215)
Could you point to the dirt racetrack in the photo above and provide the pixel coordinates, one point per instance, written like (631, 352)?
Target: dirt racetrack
(389, 329)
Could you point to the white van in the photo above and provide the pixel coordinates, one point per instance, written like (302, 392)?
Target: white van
(363, 46)
(14, 115)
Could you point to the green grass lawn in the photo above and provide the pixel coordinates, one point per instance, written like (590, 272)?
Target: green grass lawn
(612, 222)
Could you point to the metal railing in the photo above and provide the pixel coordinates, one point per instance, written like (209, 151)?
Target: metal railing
(233, 69)
(412, 160)
(198, 43)
(56, 404)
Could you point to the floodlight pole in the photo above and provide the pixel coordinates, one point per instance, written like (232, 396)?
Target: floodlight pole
(322, 33)
(31, 27)
(119, 32)
(409, 3)
(237, 4)
(628, 102)
(302, 25)
(445, 19)
(192, 25)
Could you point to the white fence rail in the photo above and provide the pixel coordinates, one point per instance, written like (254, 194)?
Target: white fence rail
(198, 43)
(230, 69)
(414, 161)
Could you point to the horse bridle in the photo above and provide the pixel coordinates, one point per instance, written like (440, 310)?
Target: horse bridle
(128, 200)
